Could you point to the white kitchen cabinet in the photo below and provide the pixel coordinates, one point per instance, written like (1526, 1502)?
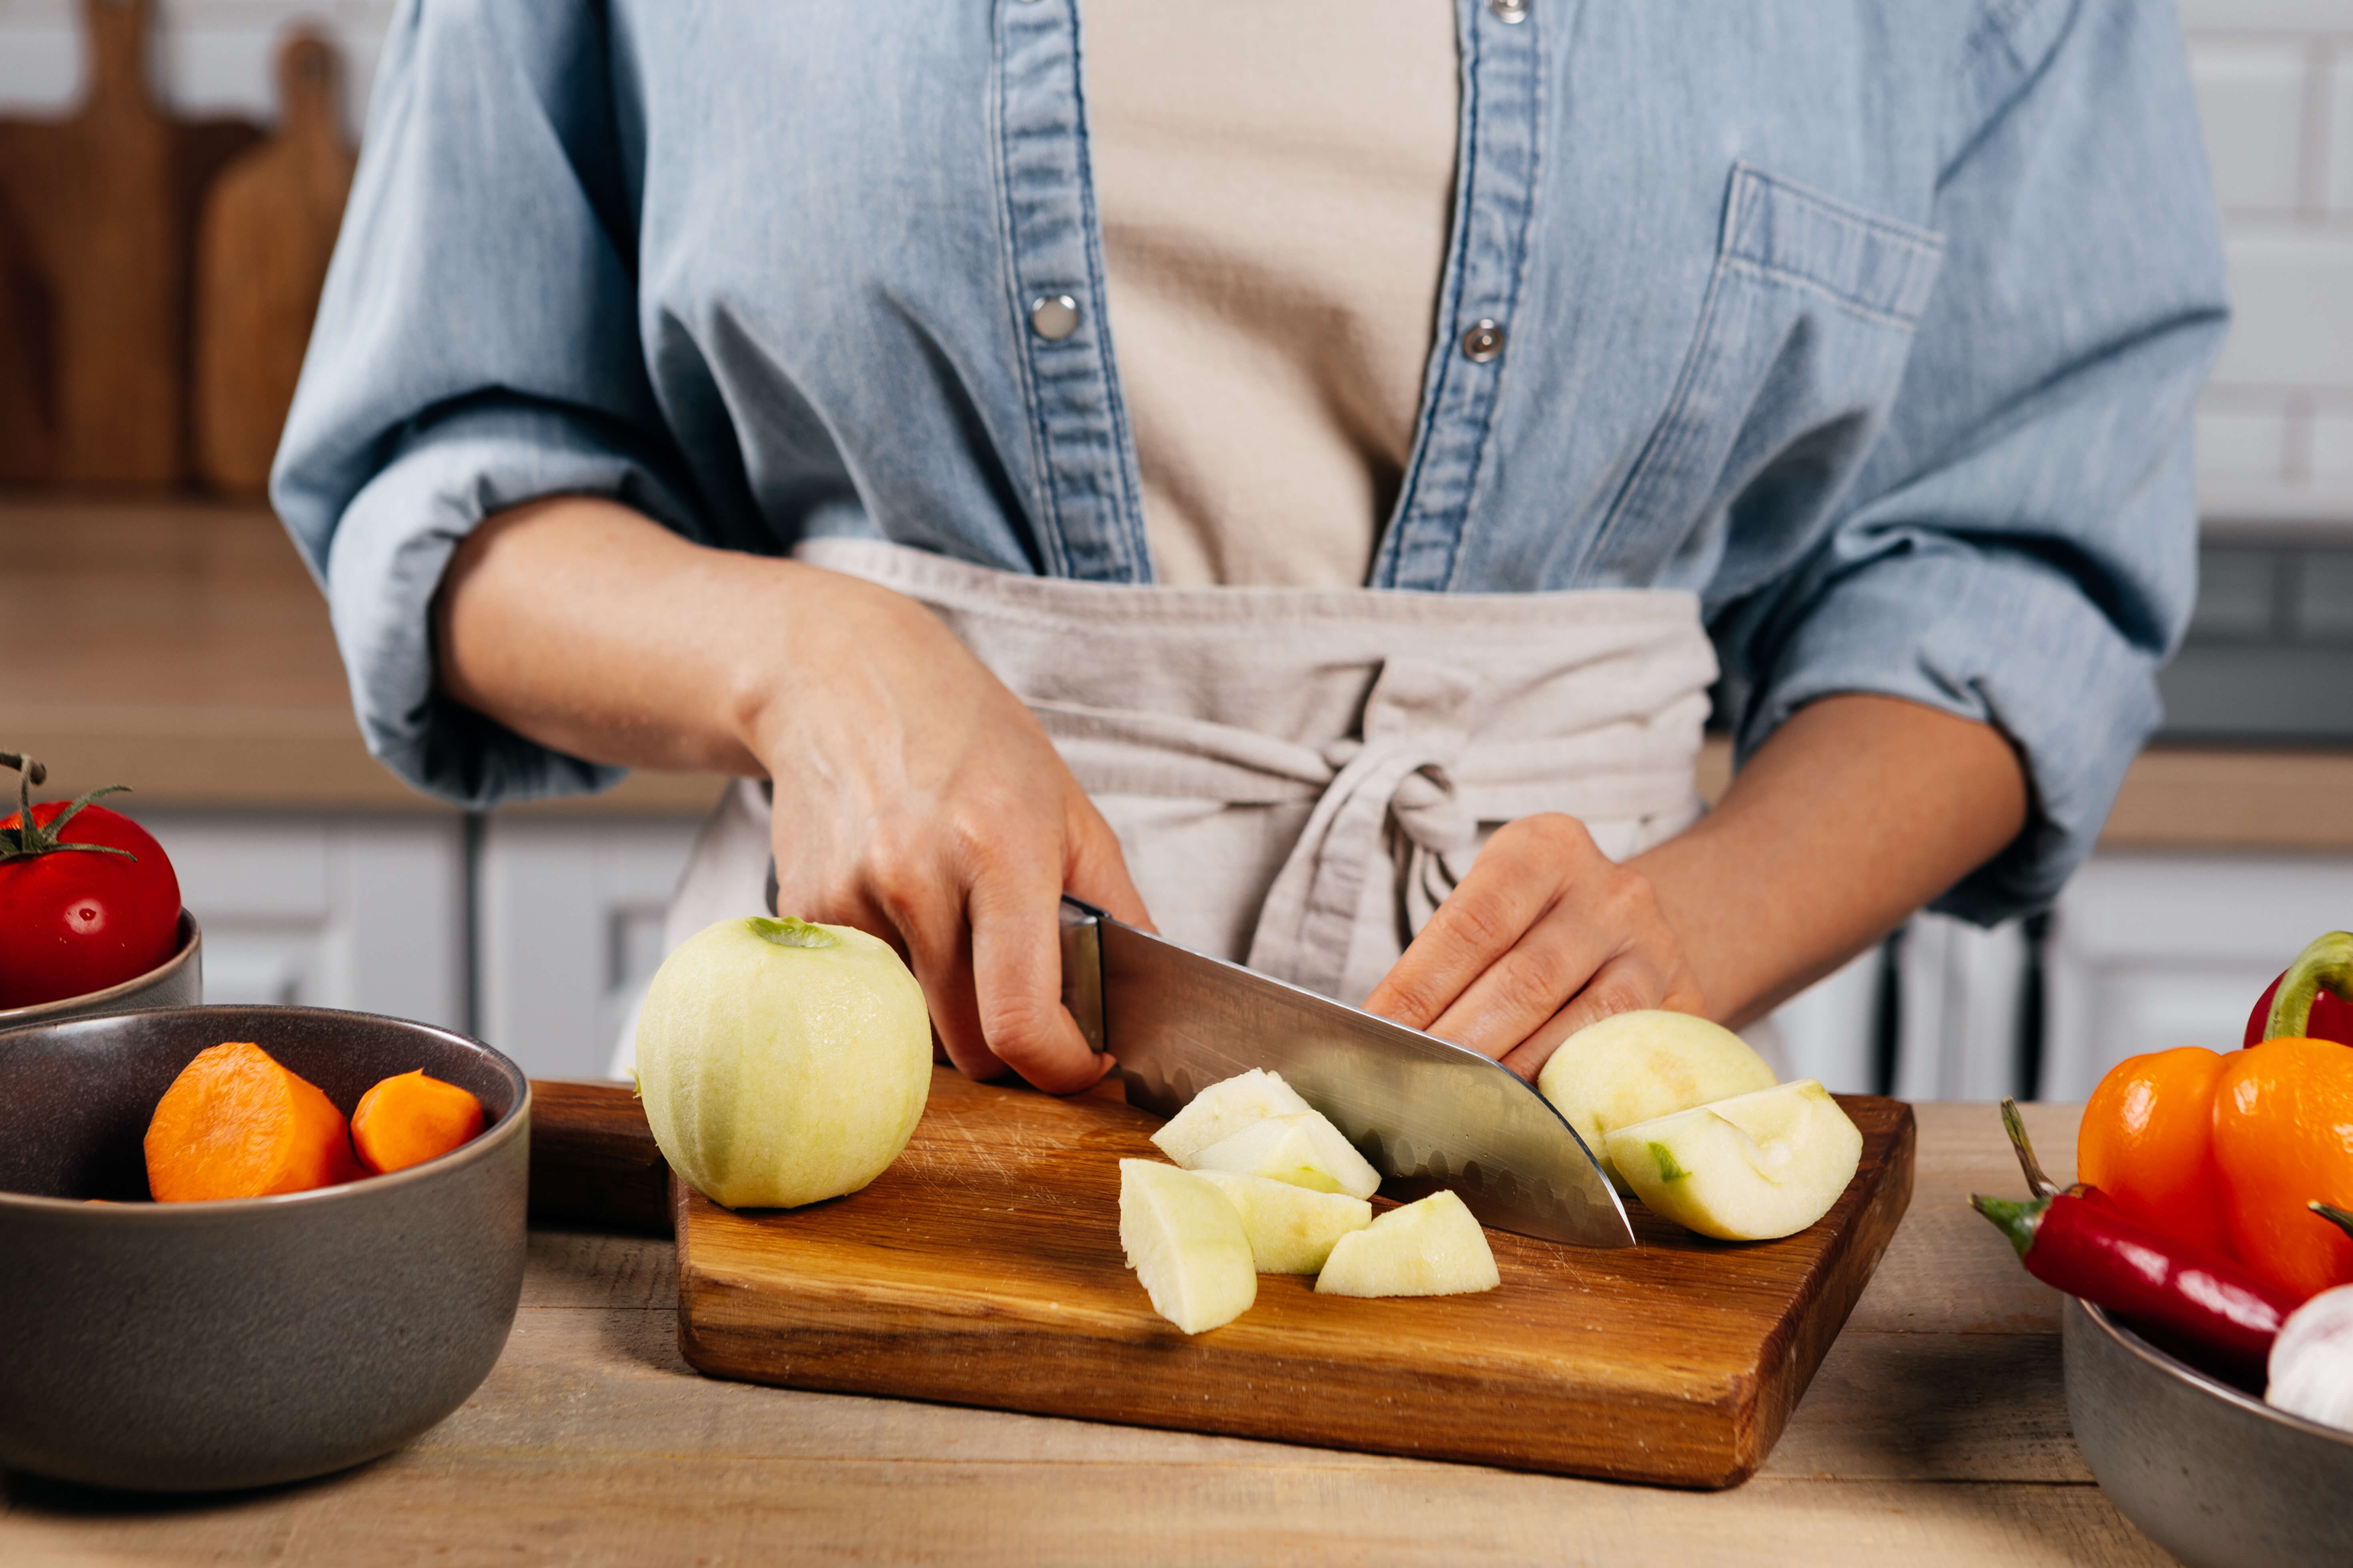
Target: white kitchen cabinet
(326, 910)
(571, 923)
(2152, 951)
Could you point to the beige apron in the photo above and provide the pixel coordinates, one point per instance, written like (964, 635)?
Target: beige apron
(1298, 776)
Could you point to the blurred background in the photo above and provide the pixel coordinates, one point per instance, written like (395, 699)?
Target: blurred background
(171, 175)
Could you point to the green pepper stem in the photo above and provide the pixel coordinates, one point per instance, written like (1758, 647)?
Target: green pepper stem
(2015, 1219)
(2326, 963)
(2335, 1215)
(2037, 1181)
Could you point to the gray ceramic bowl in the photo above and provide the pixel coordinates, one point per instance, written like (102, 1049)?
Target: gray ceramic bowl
(177, 982)
(185, 1347)
(2211, 1474)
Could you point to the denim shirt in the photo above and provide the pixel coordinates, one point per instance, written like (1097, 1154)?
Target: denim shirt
(1877, 325)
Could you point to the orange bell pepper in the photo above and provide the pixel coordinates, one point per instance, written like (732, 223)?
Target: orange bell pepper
(2147, 1143)
(2283, 1139)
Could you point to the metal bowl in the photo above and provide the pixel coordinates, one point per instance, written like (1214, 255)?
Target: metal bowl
(177, 982)
(198, 1346)
(2211, 1473)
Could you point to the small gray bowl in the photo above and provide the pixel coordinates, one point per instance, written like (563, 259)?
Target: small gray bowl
(202, 1346)
(177, 982)
(2208, 1472)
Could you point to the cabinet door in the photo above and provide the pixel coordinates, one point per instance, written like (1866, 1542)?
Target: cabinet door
(2153, 951)
(322, 910)
(571, 915)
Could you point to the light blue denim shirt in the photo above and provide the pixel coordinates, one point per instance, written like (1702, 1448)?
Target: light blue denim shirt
(1877, 324)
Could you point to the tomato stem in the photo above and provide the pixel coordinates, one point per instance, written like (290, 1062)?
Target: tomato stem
(31, 837)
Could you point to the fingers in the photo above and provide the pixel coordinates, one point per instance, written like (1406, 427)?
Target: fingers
(1017, 967)
(1096, 867)
(1516, 880)
(1623, 985)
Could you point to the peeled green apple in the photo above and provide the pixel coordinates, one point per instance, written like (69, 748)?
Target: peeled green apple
(1291, 1230)
(1631, 1066)
(1186, 1244)
(1433, 1247)
(1304, 1150)
(1749, 1168)
(1224, 1109)
(783, 1062)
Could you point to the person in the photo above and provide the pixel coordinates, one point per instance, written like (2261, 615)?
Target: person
(1497, 386)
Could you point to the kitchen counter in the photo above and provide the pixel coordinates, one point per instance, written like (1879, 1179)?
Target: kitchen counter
(180, 648)
(1934, 1432)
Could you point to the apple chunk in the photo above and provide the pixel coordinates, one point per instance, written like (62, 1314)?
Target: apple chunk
(1632, 1067)
(1291, 1230)
(1433, 1247)
(1304, 1150)
(1186, 1244)
(1749, 1168)
(1224, 1109)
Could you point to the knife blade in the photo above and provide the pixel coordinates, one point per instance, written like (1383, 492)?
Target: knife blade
(1427, 1113)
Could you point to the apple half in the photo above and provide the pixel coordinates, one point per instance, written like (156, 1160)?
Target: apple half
(1433, 1247)
(1749, 1168)
(1304, 1150)
(1186, 1244)
(1632, 1067)
(1291, 1230)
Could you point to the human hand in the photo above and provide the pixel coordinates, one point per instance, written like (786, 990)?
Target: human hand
(916, 798)
(1546, 935)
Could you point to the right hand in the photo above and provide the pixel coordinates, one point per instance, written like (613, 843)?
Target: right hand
(916, 798)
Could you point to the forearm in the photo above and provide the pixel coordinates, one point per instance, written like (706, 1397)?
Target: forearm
(588, 628)
(1856, 813)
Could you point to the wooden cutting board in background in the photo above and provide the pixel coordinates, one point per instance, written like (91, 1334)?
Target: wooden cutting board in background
(983, 1267)
(99, 209)
(263, 241)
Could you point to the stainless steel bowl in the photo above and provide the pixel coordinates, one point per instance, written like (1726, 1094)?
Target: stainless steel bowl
(198, 1346)
(177, 982)
(2213, 1474)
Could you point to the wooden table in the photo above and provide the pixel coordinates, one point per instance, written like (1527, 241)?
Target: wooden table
(1936, 1433)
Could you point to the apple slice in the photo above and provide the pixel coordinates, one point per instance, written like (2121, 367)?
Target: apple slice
(1749, 1168)
(1186, 1244)
(1632, 1067)
(1224, 1109)
(1304, 1150)
(1291, 1230)
(1433, 1247)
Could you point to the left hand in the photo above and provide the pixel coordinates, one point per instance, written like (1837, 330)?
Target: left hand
(1546, 935)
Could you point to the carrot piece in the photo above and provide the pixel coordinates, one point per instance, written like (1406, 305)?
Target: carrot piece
(235, 1124)
(410, 1119)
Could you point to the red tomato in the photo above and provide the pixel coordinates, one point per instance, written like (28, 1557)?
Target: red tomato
(75, 921)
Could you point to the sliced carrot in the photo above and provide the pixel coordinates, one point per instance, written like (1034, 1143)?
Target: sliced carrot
(235, 1124)
(408, 1120)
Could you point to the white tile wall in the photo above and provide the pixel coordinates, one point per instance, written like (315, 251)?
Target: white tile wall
(2251, 96)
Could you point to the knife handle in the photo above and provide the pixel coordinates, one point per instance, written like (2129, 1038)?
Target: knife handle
(593, 1160)
(1082, 979)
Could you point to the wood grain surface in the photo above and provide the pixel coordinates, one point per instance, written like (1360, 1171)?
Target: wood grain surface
(263, 241)
(983, 1267)
(1934, 1435)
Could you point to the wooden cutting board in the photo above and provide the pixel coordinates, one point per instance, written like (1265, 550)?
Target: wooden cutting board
(983, 1267)
(263, 241)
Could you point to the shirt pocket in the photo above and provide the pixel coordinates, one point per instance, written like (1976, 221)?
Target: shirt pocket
(1801, 346)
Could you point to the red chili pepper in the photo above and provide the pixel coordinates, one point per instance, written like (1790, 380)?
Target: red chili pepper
(2095, 1253)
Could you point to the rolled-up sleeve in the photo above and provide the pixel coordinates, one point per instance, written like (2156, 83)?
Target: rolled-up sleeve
(2021, 547)
(476, 348)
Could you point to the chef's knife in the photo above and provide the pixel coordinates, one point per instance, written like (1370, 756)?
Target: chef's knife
(1426, 1113)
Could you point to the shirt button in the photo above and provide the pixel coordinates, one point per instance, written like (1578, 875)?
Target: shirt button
(1483, 342)
(1053, 317)
(1509, 10)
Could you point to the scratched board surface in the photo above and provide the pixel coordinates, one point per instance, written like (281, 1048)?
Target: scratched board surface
(983, 1267)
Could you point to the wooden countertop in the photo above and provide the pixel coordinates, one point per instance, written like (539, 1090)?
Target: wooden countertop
(182, 648)
(1936, 1433)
